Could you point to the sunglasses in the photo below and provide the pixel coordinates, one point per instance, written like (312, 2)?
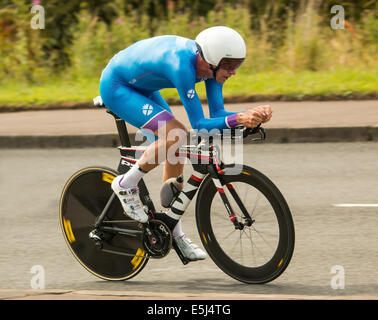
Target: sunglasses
(230, 64)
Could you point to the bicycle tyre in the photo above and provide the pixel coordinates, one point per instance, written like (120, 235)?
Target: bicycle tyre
(207, 220)
(83, 198)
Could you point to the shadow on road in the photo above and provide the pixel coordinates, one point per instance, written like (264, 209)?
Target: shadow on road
(214, 285)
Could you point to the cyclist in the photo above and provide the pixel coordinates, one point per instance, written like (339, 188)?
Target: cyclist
(130, 85)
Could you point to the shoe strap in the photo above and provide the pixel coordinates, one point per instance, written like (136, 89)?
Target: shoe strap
(130, 191)
(186, 239)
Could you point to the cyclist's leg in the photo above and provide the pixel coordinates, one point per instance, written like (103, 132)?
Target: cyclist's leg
(171, 135)
(158, 98)
(144, 113)
(171, 169)
(148, 111)
(142, 110)
(135, 107)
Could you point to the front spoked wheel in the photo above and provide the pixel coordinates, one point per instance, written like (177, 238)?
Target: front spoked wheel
(84, 197)
(261, 251)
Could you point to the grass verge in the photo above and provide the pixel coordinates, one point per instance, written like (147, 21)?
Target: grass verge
(242, 87)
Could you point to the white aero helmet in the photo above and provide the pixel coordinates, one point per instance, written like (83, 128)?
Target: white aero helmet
(221, 47)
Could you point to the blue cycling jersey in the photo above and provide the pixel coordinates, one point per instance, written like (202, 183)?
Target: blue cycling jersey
(131, 81)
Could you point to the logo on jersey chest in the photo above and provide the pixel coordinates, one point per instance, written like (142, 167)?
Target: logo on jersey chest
(147, 109)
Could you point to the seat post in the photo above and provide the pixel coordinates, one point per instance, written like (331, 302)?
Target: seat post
(122, 130)
(121, 125)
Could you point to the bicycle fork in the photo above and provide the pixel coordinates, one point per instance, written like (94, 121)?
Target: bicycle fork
(217, 179)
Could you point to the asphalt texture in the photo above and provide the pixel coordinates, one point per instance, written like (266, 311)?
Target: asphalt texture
(315, 178)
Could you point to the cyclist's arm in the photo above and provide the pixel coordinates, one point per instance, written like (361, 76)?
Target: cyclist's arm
(195, 113)
(214, 93)
(248, 118)
(189, 97)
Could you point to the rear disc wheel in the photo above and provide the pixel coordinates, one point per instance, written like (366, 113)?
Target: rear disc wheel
(83, 198)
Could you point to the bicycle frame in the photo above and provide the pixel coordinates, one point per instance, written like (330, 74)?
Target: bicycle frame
(205, 160)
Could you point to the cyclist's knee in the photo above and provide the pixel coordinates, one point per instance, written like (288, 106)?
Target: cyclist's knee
(174, 131)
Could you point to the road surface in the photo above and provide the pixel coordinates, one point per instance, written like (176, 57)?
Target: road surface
(313, 178)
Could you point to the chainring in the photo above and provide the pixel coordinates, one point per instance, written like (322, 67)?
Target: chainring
(157, 239)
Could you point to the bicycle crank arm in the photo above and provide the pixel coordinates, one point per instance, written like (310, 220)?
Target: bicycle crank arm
(183, 259)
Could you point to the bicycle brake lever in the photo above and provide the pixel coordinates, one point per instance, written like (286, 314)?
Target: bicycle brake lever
(250, 131)
(258, 129)
(262, 135)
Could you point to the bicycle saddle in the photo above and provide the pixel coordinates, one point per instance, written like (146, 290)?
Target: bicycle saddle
(97, 101)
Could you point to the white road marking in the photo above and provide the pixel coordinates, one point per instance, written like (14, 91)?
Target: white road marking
(349, 205)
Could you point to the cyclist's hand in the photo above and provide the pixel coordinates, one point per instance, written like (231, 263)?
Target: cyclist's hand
(266, 112)
(253, 117)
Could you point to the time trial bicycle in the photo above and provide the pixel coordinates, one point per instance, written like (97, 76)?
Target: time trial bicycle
(242, 218)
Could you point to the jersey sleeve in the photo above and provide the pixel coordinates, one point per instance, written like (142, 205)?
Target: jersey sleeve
(218, 119)
(214, 93)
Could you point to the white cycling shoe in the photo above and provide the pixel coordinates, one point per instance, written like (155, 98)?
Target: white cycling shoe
(130, 201)
(190, 250)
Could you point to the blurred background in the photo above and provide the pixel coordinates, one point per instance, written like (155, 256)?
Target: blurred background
(293, 54)
(292, 50)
